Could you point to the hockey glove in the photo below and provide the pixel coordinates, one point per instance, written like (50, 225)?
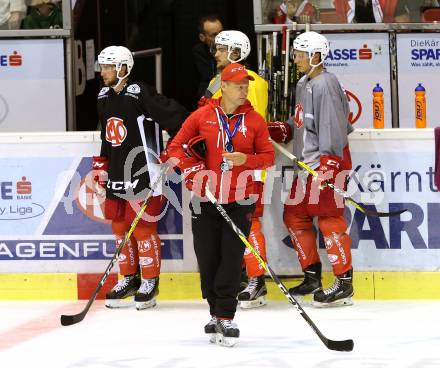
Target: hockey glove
(330, 166)
(164, 155)
(191, 169)
(100, 174)
(280, 131)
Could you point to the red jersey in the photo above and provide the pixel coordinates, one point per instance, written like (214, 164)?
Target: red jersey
(251, 138)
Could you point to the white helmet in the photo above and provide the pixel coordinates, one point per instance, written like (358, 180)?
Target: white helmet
(312, 42)
(118, 56)
(234, 40)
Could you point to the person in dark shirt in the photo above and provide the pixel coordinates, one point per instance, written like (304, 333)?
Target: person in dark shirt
(209, 27)
(132, 116)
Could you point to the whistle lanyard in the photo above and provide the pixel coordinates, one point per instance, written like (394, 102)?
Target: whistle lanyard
(228, 146)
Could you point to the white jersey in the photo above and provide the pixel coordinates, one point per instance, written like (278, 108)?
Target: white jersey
(320, 122)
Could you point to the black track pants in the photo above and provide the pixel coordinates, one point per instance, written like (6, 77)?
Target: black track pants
(219, 253)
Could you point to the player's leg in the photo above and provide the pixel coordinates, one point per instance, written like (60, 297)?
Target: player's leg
(126, 287)
(303, 236)
(206, 229)
(253, 295)
(227, 279)
(149, 250)
(337, 243)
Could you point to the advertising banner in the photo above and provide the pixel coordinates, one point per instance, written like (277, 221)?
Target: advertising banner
(418, 62)
(32, 92)
(388, 175)
(51, 220)
(361, 61)
(51, 217)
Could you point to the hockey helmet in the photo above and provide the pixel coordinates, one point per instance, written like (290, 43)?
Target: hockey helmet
(234, 40)
(196, 147)
(312, 43)
(118, 56)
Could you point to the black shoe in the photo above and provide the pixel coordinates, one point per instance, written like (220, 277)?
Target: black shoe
(210, 326)
(339, 293)
(227, 332)
(253, 295)
(210, 329)
(311, 283)
(145, 295)
(125, 288)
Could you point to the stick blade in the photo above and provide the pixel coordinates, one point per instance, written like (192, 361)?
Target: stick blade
(71, 320)
(344, 345)
(384, 214)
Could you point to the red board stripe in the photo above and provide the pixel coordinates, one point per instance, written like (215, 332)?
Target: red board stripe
(87, 283)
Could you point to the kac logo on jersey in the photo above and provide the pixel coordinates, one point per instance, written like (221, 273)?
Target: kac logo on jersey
(299, 116)
(115, 131)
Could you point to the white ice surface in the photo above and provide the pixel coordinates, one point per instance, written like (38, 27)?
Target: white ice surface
(385, 334)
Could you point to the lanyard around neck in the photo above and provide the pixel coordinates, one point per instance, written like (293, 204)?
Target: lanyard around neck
(226, 126)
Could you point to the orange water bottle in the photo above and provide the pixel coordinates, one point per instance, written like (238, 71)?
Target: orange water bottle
(378, 108)
(420, 106)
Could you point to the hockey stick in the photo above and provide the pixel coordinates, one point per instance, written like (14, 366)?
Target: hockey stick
(213, 87)
(344, 345)
(67, 320)
(350, 200)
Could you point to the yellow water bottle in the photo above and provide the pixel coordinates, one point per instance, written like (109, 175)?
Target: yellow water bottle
(378, 108)
(420, 106)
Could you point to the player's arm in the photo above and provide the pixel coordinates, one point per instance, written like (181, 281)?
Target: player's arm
(100, 163)
(189, 129)
(167, 112)
(181, 159)
(264, 156)
(105, 146)
(330, 115)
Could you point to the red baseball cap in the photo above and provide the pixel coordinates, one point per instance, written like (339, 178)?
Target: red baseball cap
(235, 73)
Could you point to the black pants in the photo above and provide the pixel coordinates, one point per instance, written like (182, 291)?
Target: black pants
(219, 253)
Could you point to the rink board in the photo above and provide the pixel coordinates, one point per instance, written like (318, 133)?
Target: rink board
(51, 224)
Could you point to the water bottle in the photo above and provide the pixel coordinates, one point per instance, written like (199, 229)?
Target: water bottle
(378, 108)
(420, 106)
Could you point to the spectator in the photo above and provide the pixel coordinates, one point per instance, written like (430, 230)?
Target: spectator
(43, 14)
(209, 27)
(418, 7)
(299, 11)
(12, 13)
(374, 11)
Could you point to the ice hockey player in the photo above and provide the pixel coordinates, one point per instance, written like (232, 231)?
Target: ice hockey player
(234, 46)
(132, 116)
(321, 141)
(237, 143)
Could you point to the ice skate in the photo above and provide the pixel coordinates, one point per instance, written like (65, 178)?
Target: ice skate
(339, 294)
(310, 285)
(121, 294)
(145, 296)
(210, 329)
(227, 333)
(253, 295)
(243, 280)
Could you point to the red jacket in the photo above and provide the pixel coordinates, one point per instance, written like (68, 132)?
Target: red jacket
(252, 138)
(388, 8)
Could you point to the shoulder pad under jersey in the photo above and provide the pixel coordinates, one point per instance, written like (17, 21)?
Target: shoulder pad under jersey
(134, 88)
(103, 91)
